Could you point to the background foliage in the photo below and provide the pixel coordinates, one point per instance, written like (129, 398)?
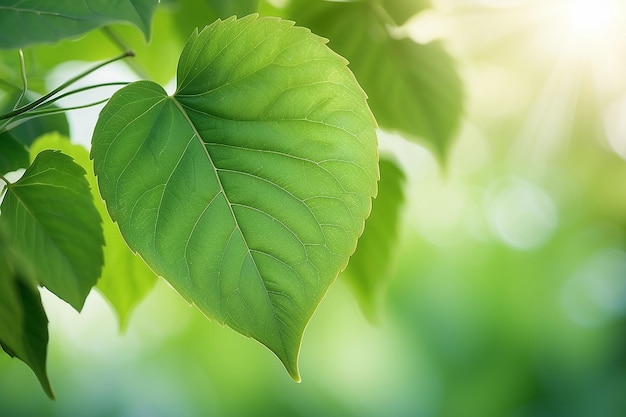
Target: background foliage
(507, 291)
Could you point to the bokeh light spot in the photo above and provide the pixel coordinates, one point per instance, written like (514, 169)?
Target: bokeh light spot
(520, 214)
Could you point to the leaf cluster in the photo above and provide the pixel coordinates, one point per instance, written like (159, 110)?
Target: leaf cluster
(247, 189)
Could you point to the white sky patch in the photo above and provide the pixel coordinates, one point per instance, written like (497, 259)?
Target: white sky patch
(83, 121)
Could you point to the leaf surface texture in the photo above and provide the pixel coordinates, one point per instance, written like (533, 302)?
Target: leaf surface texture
(248, 188)
(51, 224)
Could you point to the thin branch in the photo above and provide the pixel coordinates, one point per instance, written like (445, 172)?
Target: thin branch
(9, 124)
(5, 186)
(117, 40)
(89, 87)
(24, 79)
(3, 126)
(66, 84)
(16, 121)
(45, 112)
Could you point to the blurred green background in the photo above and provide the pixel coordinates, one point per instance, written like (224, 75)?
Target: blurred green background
(508, 295)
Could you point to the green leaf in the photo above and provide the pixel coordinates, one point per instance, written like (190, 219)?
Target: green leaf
(125, 278)
(413, 88)
(189, 15)
(27, 22)
(23, 322)
(370, 267)
(248, 188)
(13, 155)
(227, 8)
(402, 10)
(98, 45)
(50, 221)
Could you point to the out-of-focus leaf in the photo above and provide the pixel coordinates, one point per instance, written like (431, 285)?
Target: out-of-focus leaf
(150, 61)
(370, 267)
(240, 8)
(23, 322)
(402, 10)
(13, 155)
(413, 88)
(27, 22)
(125, 278)
(248, 188)
(11, 78)
(49, 220)
(193, 14)
(189, 15)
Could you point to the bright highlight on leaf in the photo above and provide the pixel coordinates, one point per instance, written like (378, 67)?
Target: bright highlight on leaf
(248, 188)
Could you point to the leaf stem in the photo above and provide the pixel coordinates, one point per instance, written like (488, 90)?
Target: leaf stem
(24, 79)
(44, 112)
(66, 84)
(117, 40)
(9, 124)
(5, 186)
(89, 87)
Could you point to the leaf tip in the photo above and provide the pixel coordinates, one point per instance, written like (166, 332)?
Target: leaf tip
(294, 373)
(48, 389)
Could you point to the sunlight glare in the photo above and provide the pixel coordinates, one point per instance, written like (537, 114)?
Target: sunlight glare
(584, 29)
(590, 19)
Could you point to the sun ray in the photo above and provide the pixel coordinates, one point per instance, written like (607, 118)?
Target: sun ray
(566, 52)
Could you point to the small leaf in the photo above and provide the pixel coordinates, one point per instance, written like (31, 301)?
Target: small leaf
(49, 220)
(27, 22)
(125, 278)
(412, 88)
(247, 189)
(370, 267)
(23, 322)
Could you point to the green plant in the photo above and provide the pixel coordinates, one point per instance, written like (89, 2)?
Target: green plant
(247, 189)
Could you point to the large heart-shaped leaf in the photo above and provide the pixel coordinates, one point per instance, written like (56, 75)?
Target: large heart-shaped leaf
(26, 22)
(413, 88)
(248, 188)
(50, 222)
